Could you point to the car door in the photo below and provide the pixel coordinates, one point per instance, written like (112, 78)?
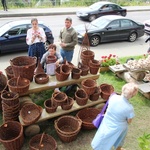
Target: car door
(104, 10)
(14, 39)
(111, 31)
(114, 9)
(126, 27)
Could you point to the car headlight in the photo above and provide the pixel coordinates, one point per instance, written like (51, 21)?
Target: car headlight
(84, 14)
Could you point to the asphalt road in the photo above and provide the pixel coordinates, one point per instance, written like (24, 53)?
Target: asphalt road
(123, 48)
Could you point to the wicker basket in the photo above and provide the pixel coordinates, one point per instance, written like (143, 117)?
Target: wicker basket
(3, 82)
(67, 127)
(81, 97)
(67, 138)
(68, 104)
(89, 85)
(95, 95)
(65, 69)
(84, 68)
(10, 98)
(59, 98)
(41, 78)
(24, 66)
(42, 142)
(11, 135)
(76, 72)
(50, 107)
(106, 91)
(87, 115)
(30, 113)
(94, 63)
(86, 56)
(39, 68)
(51, 59)
(3, 85)
(93, 69)
(18, 84)
(9, 72)
(60, 76)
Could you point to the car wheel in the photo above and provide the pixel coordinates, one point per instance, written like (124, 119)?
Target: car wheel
(123, 14)
(94, 40)
(46, 45)
(92, 17)
(132, 37)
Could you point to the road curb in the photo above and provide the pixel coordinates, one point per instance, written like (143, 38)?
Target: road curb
(28, 14)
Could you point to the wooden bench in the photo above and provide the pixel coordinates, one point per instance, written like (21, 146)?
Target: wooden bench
(132, 75)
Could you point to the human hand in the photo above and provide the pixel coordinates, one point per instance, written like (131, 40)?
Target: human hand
(62, 44)
(57, 62)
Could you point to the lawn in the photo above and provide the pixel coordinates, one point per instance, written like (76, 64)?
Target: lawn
(139, 126)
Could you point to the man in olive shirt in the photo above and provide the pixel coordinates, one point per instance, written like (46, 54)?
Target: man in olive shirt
(68, 38)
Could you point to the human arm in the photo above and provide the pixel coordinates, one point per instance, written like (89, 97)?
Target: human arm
(147, 40)
(129, 120)
(43, 60)
(130, 115)
(30, 38)
(73, 42)
(59, 58)
(41, 35)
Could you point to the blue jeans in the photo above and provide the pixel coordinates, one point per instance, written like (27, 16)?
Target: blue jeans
(68, 55)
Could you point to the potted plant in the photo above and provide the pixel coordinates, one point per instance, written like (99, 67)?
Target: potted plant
(107, 61)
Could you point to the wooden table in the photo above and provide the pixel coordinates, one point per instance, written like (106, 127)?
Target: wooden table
(59, 111)
(53, 83)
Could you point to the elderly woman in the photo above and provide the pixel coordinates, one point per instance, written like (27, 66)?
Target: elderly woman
(118, 116)
(35, 39)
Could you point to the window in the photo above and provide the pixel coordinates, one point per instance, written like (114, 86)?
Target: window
(126, 23)
(17, 30)
(114, 24)
(114, 7)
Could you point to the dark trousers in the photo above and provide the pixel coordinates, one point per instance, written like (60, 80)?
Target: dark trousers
(4, 4)
(37, 50)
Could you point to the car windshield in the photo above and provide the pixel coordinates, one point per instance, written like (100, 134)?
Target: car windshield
(100, 22)
(3, 28)
(95, 6)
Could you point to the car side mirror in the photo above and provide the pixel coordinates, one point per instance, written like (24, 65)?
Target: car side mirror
(6, 35)
(108, 28)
